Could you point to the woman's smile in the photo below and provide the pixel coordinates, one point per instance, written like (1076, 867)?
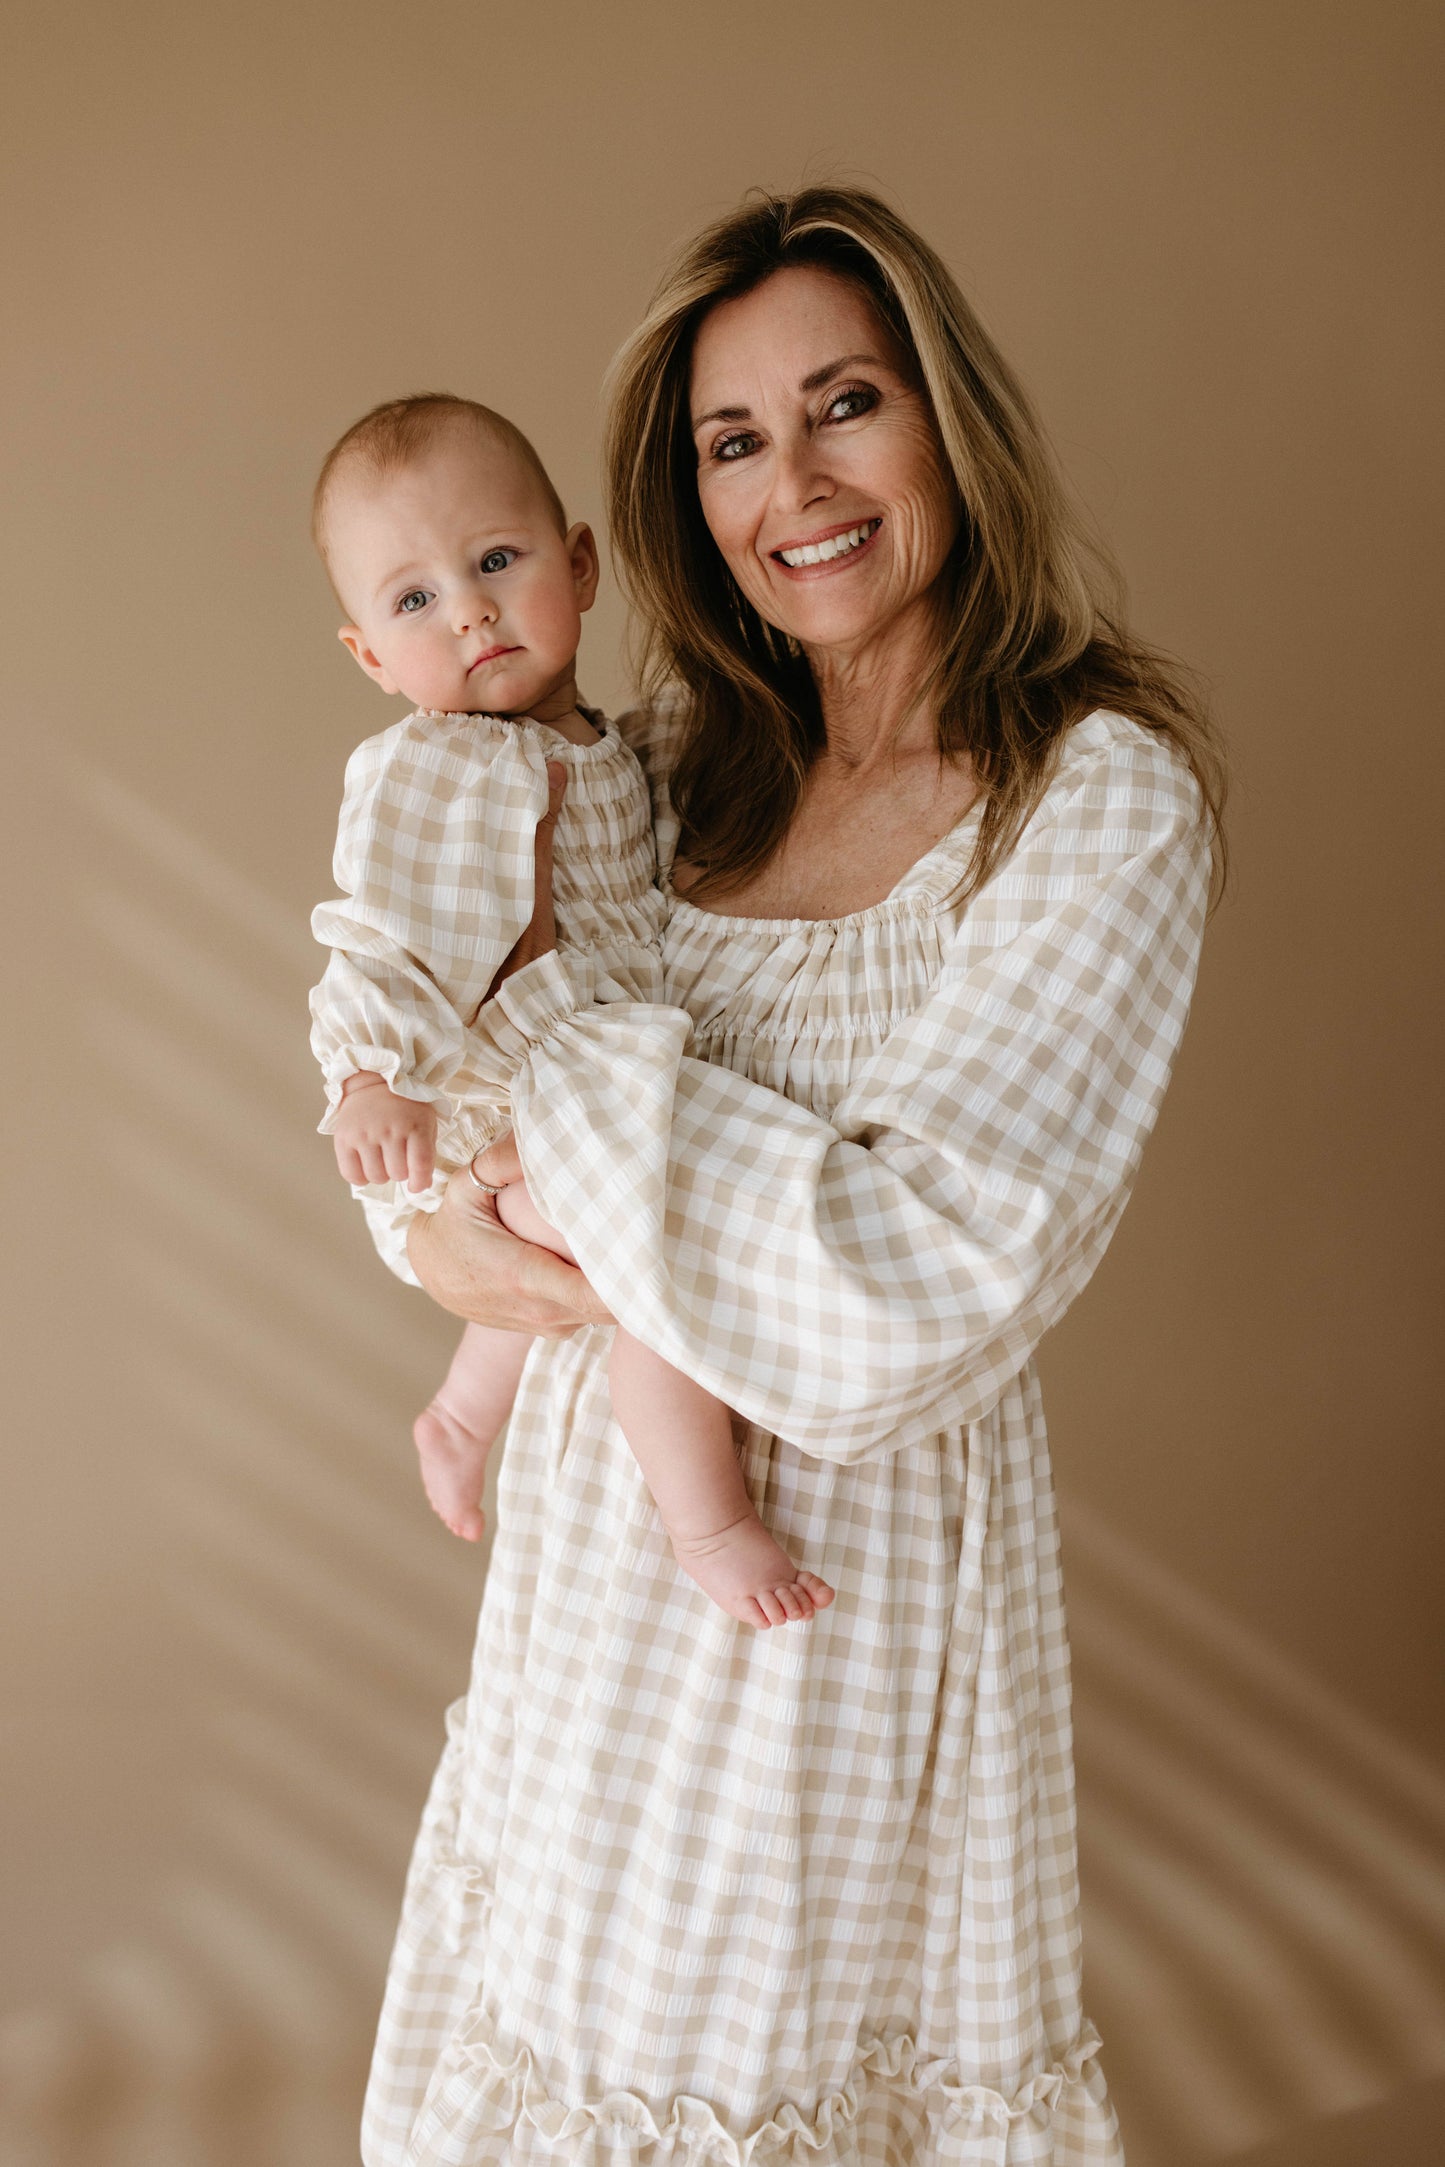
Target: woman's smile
(831, 549)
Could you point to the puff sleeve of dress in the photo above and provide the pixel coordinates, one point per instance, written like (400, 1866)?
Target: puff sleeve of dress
(855, 1283)
(434, 857)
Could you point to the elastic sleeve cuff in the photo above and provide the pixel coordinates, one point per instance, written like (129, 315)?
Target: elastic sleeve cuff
(531, 1004)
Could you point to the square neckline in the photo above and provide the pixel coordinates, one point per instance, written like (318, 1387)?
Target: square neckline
(930, 871)
(899, 898)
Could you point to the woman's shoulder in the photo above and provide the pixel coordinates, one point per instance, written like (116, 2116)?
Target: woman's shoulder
(1118, 774)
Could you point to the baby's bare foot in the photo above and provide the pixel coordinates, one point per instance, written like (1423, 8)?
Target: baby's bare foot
(750, 1575)
(453, 1467)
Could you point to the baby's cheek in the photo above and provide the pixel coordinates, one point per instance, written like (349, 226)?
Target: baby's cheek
(434, 678)
(558, 624)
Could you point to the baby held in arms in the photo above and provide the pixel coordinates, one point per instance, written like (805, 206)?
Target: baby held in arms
(464, 588)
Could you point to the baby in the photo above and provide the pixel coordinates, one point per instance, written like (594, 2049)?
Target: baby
(464, 584)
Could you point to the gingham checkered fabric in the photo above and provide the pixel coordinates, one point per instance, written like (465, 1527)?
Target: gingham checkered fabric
(434, 855)
(689, 1892)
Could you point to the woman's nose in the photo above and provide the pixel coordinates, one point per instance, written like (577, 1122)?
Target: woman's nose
(800, 475)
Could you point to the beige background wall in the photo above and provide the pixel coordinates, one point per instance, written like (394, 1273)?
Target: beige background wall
(1205, 234)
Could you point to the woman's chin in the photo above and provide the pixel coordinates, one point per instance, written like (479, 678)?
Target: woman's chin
(823, 626)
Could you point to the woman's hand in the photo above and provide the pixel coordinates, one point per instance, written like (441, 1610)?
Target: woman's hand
(467, 1261)
(540, 937)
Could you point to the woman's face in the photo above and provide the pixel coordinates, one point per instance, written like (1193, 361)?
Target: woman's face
(819, 468)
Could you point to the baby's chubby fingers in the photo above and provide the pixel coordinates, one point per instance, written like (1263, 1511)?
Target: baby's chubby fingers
(381, 1136)
(393, 1147)
(348, 1161)
(420, 1160)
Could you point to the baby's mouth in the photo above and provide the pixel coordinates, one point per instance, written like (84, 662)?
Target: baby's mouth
(832, 546)
(491, 654)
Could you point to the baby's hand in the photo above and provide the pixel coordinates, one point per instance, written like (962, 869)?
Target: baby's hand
(381, 1137)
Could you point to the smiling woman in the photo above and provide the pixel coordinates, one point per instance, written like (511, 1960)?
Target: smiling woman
(832, 507)
(935, 837)
(879, 378)
(828, 469)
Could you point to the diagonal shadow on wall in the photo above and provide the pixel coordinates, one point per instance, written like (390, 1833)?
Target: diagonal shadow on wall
(1264, 1870)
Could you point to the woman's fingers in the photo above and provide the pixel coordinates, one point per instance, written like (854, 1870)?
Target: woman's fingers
(467, 1261)
(556, 791)
(500, 1163)
(540, 935)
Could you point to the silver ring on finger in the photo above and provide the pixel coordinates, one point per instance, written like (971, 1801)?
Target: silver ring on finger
(488, 1188)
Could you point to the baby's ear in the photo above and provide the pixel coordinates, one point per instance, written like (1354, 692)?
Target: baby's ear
(353, 639)
(581, 547)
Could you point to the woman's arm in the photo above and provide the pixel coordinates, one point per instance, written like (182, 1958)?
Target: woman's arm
(855, 1285)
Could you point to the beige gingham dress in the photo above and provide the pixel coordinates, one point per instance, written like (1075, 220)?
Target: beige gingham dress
(688, 1892)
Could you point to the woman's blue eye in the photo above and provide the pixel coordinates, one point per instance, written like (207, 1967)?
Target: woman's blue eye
(411, 603)
(858, 401)
(497, 560)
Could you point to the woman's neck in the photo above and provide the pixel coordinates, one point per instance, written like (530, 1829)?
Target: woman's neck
(874, 703)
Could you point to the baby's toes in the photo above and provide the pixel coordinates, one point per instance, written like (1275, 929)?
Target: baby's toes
(794, 1602)
(771, 1607)
(817, 1590)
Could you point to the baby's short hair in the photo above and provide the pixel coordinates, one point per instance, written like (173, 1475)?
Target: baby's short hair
(392, 435)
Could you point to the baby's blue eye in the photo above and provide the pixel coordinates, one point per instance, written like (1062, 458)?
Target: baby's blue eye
(497, 560)
(411, 603)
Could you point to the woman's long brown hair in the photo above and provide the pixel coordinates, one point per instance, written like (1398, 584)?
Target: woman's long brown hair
(1033, 638)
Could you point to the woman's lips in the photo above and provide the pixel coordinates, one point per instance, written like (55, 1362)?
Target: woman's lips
(828, 539)
(490, 654)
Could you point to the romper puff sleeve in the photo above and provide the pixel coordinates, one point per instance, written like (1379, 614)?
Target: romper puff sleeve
(855, 1285)
(434, 858)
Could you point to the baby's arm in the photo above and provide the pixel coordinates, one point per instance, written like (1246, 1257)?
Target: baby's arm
(417, 935)
(381, 1137)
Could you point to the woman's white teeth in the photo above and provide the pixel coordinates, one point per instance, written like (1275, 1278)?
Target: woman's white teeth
(837, 545)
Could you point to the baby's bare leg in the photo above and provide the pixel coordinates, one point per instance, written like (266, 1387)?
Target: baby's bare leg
(682, 1440)
(457, 1431)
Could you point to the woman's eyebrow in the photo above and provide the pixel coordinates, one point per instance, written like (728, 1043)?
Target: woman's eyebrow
(813, 382)
(820, 377)
(723, 413)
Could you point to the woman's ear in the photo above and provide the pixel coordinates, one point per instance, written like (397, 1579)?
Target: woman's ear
(353, 639)
(581, 549)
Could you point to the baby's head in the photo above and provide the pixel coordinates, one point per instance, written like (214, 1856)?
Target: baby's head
(449, 549)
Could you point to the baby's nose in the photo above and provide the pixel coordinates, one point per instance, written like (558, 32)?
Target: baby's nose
(473, 610)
